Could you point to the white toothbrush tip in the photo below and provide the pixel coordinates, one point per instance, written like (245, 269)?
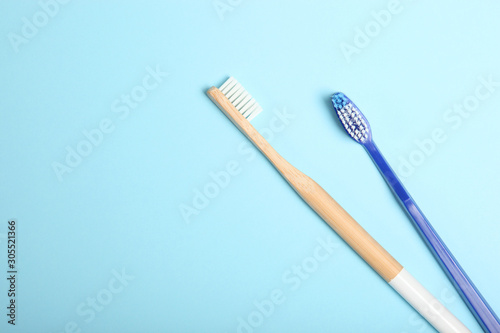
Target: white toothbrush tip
(240, 98)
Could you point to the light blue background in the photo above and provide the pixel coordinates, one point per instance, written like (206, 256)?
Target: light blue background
(119, 209)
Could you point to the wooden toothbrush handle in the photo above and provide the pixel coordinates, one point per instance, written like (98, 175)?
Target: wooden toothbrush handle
(319, 200)
(347, 228)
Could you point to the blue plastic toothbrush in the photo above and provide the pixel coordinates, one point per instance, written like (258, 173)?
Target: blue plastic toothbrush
(356, 125)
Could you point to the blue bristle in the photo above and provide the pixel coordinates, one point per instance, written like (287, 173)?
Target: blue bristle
(339, 100)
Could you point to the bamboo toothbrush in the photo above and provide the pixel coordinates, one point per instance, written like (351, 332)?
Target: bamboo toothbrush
(238, 105)
(357, 126)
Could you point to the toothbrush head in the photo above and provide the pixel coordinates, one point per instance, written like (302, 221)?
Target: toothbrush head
(240, 98)
(353, 121)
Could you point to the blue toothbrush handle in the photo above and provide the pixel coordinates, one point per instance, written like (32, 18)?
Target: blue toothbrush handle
(472, 297)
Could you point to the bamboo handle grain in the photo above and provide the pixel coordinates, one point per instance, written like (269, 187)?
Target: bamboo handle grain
(319, 200)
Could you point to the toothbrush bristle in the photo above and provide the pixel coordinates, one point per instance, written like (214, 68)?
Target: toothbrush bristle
(352, 119)
(240, 98)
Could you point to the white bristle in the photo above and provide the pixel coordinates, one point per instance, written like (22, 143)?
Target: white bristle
(225, 84)
(234, 92)
(240, 103)
(251, 110)
(240, 98)
(353, 122)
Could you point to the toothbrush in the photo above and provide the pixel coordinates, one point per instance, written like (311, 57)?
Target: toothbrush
(238, 106)
(357, 126)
